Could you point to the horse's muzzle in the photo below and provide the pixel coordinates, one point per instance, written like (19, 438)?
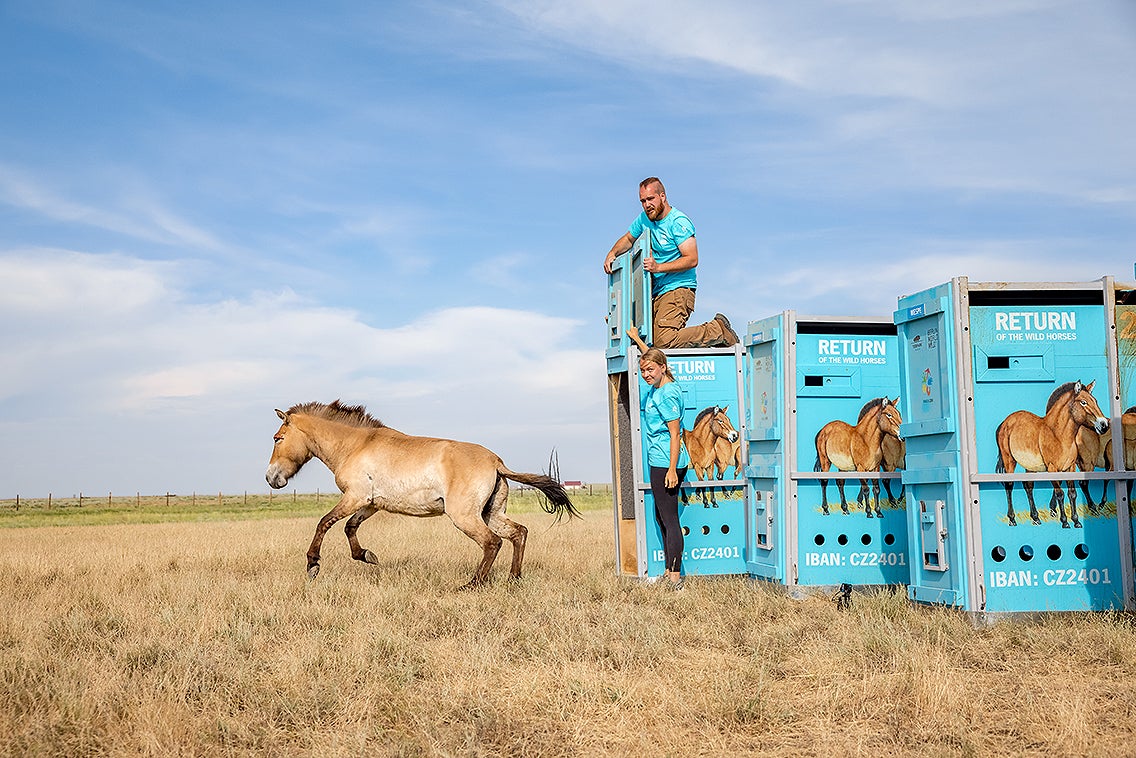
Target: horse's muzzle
(1101, 425)
(275, 477)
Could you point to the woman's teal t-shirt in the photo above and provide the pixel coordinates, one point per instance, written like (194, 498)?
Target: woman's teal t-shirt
(660, 405)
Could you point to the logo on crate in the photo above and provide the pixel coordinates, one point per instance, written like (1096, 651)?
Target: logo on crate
(1035, 326)
(927, 382)
(852, 351)
(1073, 433)
(714, 446)
(872, 444)
(693, 369)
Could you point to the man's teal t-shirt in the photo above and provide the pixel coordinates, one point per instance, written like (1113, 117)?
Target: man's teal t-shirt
(666, 235)
(660, 405)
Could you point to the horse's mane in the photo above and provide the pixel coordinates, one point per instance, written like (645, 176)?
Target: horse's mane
(869, 406)
(703, 414)
(352, 415)
(1057, 393)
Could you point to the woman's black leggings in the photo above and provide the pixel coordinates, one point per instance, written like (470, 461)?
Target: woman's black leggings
(666, 513)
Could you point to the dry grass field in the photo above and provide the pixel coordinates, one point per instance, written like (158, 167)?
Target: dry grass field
(204, 638)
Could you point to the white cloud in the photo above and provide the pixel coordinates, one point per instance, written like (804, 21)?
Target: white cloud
(147, 363)
(121, 208)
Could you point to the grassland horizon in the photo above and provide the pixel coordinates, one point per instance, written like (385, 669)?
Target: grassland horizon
(202, 636)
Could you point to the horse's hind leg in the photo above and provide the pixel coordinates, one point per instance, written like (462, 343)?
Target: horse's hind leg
(507, 529)
(824, 496)
(1013, 519)
(1028, 487)
(843, 499)
(357, 552)
(465, 512)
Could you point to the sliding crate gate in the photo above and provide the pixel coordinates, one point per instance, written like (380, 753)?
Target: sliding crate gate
(1000, 380)
(713, 520)
(821, 407)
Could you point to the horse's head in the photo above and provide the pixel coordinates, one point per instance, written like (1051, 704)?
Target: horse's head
(720, 425)
(889, 418)
(290, 451)
(1085, 410)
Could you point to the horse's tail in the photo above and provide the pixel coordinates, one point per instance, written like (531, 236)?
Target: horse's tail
(999, 467)
(558, 502)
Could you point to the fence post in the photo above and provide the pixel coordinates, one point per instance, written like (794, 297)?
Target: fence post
(17, 502)
(167, 498)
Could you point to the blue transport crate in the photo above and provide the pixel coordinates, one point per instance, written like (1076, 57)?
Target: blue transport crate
(825, 498)
(713, 495)
(1011, 393)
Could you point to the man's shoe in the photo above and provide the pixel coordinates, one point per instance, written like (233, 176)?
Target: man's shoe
(729, 336)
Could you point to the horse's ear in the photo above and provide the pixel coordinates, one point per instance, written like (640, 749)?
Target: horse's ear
(1077, 386)
(283, 416)
(724, 408)
(1089, 386)
(896, 401)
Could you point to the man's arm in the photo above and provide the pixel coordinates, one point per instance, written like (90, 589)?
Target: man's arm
(622, 245)
(687, 259)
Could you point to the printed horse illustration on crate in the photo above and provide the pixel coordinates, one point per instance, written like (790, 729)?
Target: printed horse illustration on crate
(381, 469)
(1048, 443)
(857, 448)
(1095, 451)
(894, 459)
(711, 427)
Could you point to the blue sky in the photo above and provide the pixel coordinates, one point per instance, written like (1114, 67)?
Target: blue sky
(211, 210)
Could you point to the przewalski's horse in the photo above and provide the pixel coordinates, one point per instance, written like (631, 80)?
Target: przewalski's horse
(711, 426)
(857, 448)
(894, 458)
(378, 468)
(1095, 451)
(1048, 443)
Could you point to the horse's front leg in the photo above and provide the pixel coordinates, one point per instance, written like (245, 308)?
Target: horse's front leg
(1028, 487)
(864, 498)
(346, 506)
(1072, 506)
(1089, 504)
(357, 552)
(1058, 500)
(876, 497)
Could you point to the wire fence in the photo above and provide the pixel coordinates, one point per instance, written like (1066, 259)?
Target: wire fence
(196, 500)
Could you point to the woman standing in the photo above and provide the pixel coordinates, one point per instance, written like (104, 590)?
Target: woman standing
(667, 458)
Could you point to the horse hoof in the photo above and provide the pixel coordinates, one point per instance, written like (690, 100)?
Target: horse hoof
(313, 571)
(1037, 522)
(369, 557)
(1076, 524)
